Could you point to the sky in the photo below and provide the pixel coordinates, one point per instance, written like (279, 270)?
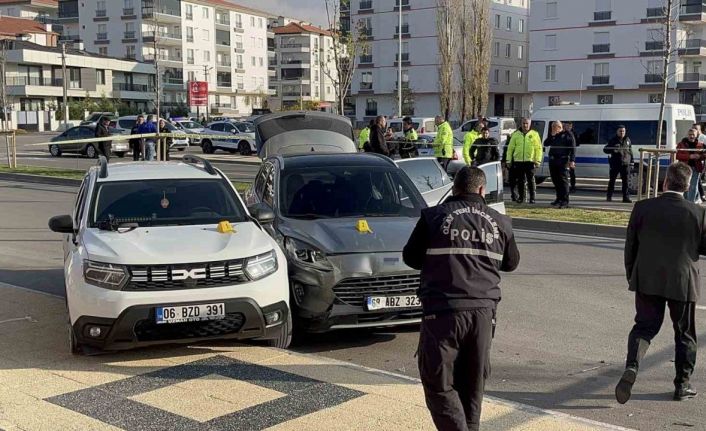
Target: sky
(313, 11)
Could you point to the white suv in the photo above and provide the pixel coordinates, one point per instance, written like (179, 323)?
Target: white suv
(167, 252)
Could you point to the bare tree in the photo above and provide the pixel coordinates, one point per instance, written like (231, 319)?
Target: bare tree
(447, 39)
(480, 55)
(348, 45)
(465, 59)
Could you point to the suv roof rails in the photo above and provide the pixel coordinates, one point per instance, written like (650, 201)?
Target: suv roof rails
(195, 160)
(103, 162)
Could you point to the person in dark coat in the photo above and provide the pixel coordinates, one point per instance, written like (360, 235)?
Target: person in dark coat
(460, 246)
(569, 127)
(484, 149)
(102, 132)
(620, 150)
(136, 144)
(165, 143)
(562, 156)
(695, 160)
(665, 237)
(378, 143)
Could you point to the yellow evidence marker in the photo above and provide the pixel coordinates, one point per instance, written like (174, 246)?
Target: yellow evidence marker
(225, 227)
(363, 227)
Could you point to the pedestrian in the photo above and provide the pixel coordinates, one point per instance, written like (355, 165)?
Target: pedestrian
(702, 140)
(378, 143)
(460, 247)
(136, 144)
(204, 122)
(695, 160)
(619, 148)
(665, 237)
(562, 156)
(443, 142)
(164, 143)
(408, 148)
(484, 149)
(469, 138)
(569, 127)
(524, 155)
(149, 126)
(103, 132)
(364, 136)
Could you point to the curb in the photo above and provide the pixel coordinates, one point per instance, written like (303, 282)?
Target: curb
(561, 227)
(40, 179)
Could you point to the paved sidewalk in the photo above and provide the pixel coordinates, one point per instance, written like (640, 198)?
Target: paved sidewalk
(215, 386)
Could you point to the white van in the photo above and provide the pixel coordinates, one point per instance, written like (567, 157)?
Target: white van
(500, 128)
(423, 125)
(594, 125)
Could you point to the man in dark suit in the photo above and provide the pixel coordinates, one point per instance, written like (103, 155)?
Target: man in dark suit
(665, 237)
(378, 141)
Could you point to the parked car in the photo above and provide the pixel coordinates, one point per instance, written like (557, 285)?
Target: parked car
(500, 128)
(119, 148)
(131, 281)
(428, 176)
(190, 127)
(423, 126)
(125, 124)
(342, 219)
(237, 136)
(92, 120)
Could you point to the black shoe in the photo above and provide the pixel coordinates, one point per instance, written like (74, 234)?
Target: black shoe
(572, 190)
(513, 198)
(609, 198)
(555, 203)
(684, 393)
(627, 200)
(563, 205)
(520, 200)
(624, 389)
(532, 201)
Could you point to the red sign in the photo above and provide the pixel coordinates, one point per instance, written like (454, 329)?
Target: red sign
(198, 93)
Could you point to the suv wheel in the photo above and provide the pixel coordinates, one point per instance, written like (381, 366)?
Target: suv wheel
(244, 148)
(74, 346)
(207, 147)
(55, 150)
(285, 335)
(91, 152)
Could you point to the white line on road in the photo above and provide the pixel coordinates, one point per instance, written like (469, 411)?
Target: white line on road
(701, 307)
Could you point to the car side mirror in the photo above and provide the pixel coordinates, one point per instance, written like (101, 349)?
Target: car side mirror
(262, 213)
(61, 224)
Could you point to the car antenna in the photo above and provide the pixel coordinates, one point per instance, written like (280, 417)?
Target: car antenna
(103, 162)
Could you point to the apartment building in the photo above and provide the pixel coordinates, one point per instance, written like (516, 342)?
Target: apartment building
(374, 86)
(39, 10)
(213, 40)
(35, 80)
(610, 51)
(304, 64)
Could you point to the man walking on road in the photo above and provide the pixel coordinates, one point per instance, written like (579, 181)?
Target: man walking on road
(620, 150)
(460, 246)
(524, 155)
(102, 132)
(562, 156)
(665, 237)
(443, 142)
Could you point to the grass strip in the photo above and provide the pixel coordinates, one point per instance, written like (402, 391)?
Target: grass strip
(74, 174)
(576, 215)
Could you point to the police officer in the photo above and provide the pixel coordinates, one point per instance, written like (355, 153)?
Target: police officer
(408, 147)
(460, 246)
(524, 155)
(443, 142)
(569, 127)
(470, 138)
(620, 150)
(562, 156)
(410, 133)
(364, 136)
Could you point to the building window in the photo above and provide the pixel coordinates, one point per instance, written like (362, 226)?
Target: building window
(102, 32)
(262, 61)
(190, 56)
(371, 107)
(238, 20)
(508, 50)
(520, 77)
(520, 52)
(654, 98)
(130, 51)
(496, 49)
(604, 99)
(253, 61)
(192, 76)
(259, 22)
(601, 69)
(100, 77)
(497, 21)
(550, 42)
(189, 34)
(508, 25)
(205, 13)
(551, 10)
(207, 56)
(507, 76)
(189, 12)
(206, 35)
(252, 21)
(601, 42)
(550, 72)
(521, 26)
(496, 76)
(366, 81)
(103, 50)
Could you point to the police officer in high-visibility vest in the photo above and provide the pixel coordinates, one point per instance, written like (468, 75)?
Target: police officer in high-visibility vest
(410, 133)
(524, 155)
(469, 138)
(444, 141)
(365, 135)
(460, 246)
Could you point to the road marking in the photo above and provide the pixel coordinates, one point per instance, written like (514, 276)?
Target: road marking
(567, 234)
(701, 307)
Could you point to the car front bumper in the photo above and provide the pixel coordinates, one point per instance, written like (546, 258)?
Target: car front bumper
(336, 299)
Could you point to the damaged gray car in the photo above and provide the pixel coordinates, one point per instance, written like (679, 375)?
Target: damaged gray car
(342, 219)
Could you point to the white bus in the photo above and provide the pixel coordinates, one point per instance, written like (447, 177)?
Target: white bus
(594, 125)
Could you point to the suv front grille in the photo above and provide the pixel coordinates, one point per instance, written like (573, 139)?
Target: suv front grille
(186, 276)
(352, 291)
(148, 330)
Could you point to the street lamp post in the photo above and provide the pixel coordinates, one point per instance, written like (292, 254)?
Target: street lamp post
(399, 60)
(65, 86)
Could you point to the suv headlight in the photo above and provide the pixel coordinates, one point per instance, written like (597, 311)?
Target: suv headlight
(261, 266)
(306, 254)
(105, 275)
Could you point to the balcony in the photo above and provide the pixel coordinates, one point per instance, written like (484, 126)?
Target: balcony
(130, 56)
(32, 80)
(602, 15)
(190, 38)
(691, 81)
(405, 31)
(101, 13)
(173, 82)
(238, 27)
(68, 11)
(601, 80)
(162, 14)
(693, 48)
(295, 47)
(149, 58)
(653, 78)
(366, 88)
(125, 86)
(601, 48)
(405, 59)
(405, 85)
(367, 32)
(224, 84)
(223, 44)
(405, 5)
(239, 48)
(224, 63)
(655, 12)
(69, 38)
(290, 93)
(189, 16)
(366, 60)
(129, 36)
(295, 62)
(223, 20)
(692, 13)
(239, 68)
(129, 13)
(366, 6)
(655, 45)
(163, 37)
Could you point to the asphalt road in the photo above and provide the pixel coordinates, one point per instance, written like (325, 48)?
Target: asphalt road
(562, 329)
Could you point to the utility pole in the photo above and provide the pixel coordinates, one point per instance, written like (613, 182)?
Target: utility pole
(206, 70)
(399, 61)
(65, 85)
(301, 94)
(3, 86)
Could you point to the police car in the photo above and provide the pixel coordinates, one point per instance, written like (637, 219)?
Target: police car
(167, 252)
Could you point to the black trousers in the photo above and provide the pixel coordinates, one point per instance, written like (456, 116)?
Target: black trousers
(624, 172)
(104, 149)
(559, 171)
(136, 151)
(163, 150)
(524, 177)
(649, 315)
(454, 362)
(444, 162)
(572, 175)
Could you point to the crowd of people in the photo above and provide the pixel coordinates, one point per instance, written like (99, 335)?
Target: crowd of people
(142, 148)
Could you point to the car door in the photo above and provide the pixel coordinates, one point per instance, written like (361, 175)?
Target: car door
(229, 131)
(70, 135)
(85, 133)
(215, 130)
(494, 191)
(70, 241)
(428, 176)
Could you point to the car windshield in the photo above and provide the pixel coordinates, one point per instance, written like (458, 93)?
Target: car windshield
(190, 125)
(328, 192)
(165, 202)
(245, 128)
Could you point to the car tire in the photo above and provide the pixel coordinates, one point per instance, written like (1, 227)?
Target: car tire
(232, 150)
(181, 149)
(74, 346)
(91, 152)
(284, 339)
(244, 148)
(207, 147)
(55, 150)
(120, 154)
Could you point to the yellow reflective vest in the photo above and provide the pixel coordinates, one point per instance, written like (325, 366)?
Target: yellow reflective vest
(444, 141)
(411, 135)
(363, 137)
(468, 140)
(525, 147)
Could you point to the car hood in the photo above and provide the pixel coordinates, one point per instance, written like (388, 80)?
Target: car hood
(303, 132)
(340, 236)
(176, 244)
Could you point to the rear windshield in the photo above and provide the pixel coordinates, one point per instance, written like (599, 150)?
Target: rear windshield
(190, 125)
(165, 202)
(127, 124)
(348, 192)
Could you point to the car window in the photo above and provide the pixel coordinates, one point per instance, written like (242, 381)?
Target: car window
(79, 204)
(509, 125)
(641, 133)
(268, 194)
(429, 126)
(395, 126)
(327, 192)
(86, 132)
(228, 128)
(586, 132)
(127, 124)
(166, 202)
(494, 183)
(216, 127)
(259, 185)
(538, 126)
(245, 128)
(72, 133)
(424, 173)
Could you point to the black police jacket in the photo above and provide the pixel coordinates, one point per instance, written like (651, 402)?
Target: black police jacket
(620, 151)
(562, 147)
(461, 246)
(485, 151)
